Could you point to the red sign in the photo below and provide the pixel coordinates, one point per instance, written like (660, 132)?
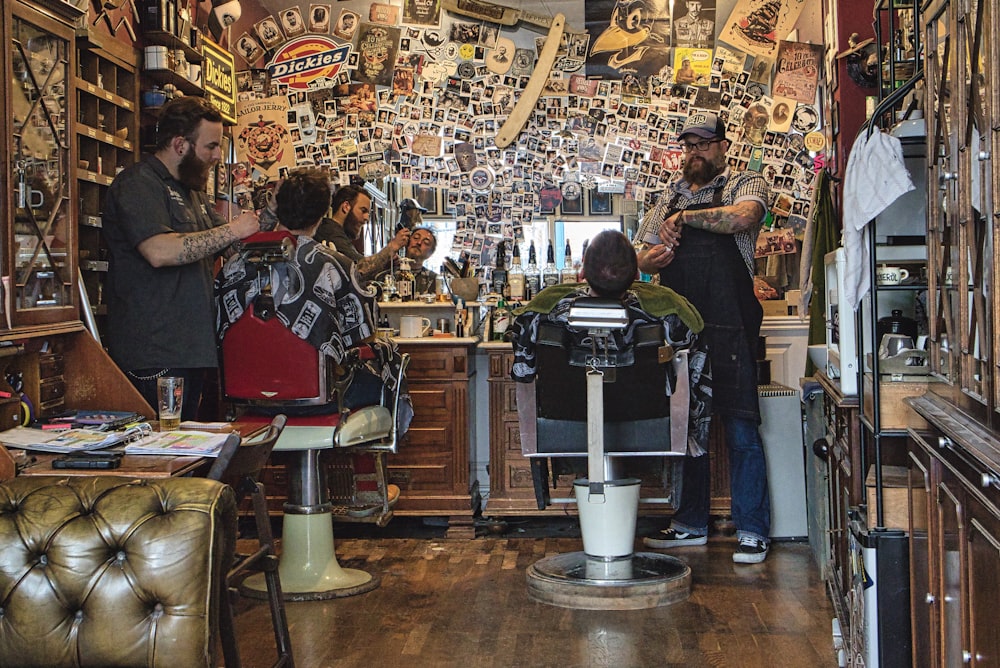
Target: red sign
(307, 59)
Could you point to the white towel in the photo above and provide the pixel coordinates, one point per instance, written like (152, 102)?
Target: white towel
(876, 177)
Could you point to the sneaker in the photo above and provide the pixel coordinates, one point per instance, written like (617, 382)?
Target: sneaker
(750, 550)
(668, 538)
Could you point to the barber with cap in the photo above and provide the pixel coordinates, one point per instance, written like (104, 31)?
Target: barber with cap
(351, 209)
(700, 239)
(420, 246)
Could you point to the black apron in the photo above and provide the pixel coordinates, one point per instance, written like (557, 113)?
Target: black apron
(710, 271)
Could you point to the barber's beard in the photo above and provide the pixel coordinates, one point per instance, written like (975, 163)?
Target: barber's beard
(353, 225)
(192, 171)
(700, 171)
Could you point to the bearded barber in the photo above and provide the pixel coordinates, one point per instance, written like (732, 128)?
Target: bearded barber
(700, 240)
(164, 236)
(351, 208)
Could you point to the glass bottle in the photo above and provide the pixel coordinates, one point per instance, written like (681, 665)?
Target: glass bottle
(498, 280)
(515, 277)
(532, 277)
(501, 320)
(404, 280)
(550, 275)
(578, 264)
(568, 273)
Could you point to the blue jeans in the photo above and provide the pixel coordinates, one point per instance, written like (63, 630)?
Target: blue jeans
(751, 503)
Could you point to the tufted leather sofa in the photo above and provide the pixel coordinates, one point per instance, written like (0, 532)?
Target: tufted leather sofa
(106, 571)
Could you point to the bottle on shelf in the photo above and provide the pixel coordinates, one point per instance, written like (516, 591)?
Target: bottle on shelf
(515, 277)
(568, 273)
(550, 275)
(498, 280)
(501, 320)
(578, 264)
(404, 280)
(532, 277)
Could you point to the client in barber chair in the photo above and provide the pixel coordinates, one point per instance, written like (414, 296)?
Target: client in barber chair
(610, 270)
(316, 294)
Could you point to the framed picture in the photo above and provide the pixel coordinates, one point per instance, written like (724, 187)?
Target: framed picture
(427, 197)
(600, 203)
(572, 199)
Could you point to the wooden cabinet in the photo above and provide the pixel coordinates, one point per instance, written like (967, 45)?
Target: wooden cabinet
(107, 129)
(38, 199)
(432, 466)
(955, 583)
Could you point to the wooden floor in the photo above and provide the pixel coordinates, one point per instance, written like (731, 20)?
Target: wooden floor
(464, 603)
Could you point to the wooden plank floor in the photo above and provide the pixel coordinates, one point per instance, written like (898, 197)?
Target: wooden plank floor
(464, 603)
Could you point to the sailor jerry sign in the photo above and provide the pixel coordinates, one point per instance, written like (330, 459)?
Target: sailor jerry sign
(219, 73)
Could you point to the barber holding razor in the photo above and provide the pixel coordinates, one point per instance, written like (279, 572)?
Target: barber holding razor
(700, 239)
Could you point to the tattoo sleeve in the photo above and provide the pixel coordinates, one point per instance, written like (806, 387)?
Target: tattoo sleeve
(369, 266)
(725, 219)
(199, 245)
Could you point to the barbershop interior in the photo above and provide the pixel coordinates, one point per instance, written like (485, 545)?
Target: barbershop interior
(465, 333)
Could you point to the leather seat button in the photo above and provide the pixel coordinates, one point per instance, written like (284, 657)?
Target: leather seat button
(43, 560)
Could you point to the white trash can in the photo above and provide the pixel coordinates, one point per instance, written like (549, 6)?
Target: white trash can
(607, 522)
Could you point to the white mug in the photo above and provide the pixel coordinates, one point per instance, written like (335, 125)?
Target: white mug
(891, 275)
(413, 326)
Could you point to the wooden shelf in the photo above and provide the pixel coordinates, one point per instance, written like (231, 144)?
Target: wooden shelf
(102, 136)
(88, 87)
(172, 41)
(164, 77)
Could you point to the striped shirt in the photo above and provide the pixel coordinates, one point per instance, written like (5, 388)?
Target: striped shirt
(736, 188)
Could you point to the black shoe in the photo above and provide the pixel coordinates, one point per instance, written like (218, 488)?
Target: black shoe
(668, 538)
(750, 550)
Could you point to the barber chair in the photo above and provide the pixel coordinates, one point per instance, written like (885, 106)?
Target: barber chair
(573, 415)
(267, 369)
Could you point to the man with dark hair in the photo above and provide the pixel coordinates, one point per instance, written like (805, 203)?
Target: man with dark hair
(163, 237)
(610, 268)
(350, 211)
(700, 239)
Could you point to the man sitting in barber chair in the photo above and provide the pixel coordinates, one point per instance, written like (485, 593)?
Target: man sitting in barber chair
(312, 290)
(610, 270)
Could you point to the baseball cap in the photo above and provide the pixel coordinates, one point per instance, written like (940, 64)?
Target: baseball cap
(705, 124)
(410, 203)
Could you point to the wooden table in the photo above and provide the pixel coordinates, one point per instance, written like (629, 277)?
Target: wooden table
(132, 466)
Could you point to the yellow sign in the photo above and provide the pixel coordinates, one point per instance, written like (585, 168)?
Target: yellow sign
(219, 75)
(815, 141)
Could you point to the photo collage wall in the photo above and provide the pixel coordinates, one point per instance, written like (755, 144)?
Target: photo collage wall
(418, 94)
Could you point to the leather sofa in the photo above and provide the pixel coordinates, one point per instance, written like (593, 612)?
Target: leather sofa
(107, 571)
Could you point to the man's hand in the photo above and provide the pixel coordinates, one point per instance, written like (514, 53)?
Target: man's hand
(245, 224)
(400, 240)
(652, 259)
(670, 230)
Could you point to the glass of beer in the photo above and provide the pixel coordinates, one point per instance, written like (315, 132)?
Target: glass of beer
(170, 393)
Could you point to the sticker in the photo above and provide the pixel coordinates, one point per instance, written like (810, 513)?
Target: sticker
(481, 178)
(466, 51)
(466, 70)
(815, 141)
(805, 119)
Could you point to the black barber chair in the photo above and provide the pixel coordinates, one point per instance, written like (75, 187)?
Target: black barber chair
(592, 400)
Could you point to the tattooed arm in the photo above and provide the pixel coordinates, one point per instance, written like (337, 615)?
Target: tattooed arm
(721, 220)
(174, 249)
(370, 266)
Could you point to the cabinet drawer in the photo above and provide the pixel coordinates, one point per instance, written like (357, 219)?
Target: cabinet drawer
(51, 389)
(50, 365)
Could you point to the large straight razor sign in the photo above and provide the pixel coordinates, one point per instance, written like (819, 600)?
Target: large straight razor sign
(487, 11)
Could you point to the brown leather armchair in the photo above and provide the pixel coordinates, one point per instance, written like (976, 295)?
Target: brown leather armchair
(101, 571)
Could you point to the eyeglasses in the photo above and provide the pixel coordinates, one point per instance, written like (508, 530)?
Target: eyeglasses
(702, 145)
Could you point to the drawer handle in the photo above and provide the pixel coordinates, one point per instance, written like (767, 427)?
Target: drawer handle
(944, 442)
(930, 599)
(990, 479)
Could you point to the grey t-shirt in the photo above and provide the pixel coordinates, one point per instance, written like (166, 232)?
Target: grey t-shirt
(157, 317)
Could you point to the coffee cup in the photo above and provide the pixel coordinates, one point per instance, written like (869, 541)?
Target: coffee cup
(891, 275)
(414, 326)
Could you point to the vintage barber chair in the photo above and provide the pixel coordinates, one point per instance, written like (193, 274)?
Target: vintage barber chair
(574, 415)
(267, 369)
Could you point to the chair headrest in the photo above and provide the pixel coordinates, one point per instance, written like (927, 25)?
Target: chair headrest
(597, 313)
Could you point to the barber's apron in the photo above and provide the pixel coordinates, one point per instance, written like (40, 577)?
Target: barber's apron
(709, 270)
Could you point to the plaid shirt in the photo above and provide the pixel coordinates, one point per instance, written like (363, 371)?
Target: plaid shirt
(738, 187)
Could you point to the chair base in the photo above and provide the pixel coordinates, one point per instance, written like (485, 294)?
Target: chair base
(637, 582)
(308, 566)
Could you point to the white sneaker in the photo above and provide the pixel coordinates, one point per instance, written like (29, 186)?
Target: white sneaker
(750, 550)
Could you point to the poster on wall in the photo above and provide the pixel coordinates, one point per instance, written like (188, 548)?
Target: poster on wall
(694, 24)
(797, 71)
(377, 46)
(640, 48)
(755, 26)
(262, 140)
